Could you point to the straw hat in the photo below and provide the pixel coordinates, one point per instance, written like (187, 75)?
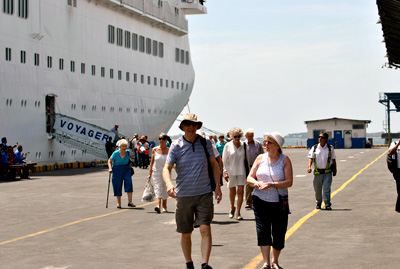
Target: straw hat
(277, 137)
(190, 117)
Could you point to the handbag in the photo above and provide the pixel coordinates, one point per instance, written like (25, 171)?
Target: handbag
(391, 162)
(283, 199)
(148, 193)
(130, 164)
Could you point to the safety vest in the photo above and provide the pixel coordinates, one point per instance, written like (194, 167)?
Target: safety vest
(327, 169)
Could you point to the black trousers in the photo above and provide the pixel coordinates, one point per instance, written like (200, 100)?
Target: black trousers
(396, 176)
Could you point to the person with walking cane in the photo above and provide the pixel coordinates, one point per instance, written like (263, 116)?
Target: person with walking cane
(118, 166)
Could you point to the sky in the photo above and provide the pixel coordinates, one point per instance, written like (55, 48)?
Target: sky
(271, 65)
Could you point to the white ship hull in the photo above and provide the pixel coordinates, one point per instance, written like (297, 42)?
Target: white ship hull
(55, 30)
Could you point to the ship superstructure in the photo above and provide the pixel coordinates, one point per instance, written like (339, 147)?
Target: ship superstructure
(99, 62)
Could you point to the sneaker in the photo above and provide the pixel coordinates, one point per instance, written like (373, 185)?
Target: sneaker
(164, 210)
(157, 209)
(318, 206)
(239, 217)
(328, 207)
(205, 266)
(265, 267)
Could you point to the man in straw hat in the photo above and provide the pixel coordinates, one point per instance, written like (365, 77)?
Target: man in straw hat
(193, 193)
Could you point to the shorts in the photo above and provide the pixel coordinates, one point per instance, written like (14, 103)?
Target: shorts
(193, 211)
(234, 181)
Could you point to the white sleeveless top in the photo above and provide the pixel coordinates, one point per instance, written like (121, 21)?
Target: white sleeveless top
(159, 161)
(267, 172)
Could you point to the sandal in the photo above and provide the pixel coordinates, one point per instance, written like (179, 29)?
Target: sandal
(275, 266)
(265, 267)
(118, 206)
(232, 213)
(131, 205)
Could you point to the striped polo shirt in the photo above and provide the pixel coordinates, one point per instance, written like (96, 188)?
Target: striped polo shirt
(191, 166)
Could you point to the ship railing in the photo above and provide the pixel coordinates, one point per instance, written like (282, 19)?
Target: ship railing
(162, 13)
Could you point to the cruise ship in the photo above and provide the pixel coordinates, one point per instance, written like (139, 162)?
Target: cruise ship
(72, 69)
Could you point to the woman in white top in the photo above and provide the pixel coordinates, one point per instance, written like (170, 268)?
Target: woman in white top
(158, 158)
(271, 175)
(235, 170)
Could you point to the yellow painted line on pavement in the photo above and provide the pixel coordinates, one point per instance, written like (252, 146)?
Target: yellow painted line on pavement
(70, 224)
(258, 259)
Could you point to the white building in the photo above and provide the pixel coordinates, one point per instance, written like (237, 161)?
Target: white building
(343, 133)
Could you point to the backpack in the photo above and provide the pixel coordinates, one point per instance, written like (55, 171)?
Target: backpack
(392, 162)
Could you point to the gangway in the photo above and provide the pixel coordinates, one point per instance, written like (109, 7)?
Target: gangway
(81, 135)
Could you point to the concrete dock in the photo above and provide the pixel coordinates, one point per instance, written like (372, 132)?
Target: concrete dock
(58, 219)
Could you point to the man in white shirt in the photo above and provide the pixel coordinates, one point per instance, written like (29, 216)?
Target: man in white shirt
(324, 159)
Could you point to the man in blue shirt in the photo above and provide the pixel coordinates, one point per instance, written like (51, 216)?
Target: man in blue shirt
(193, 193)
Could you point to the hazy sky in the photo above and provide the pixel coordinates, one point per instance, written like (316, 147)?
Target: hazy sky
(271, 65)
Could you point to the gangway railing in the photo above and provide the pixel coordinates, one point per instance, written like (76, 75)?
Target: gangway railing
(81, 135)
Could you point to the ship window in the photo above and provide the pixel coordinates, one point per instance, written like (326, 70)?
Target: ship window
(142, 110)
(182, 86)
(177, 55)
(172, 84)
(141, 43)
(176, 11)
(135, 110)
(119, 74)
(111, 73)
(120, 109)
(127, 39)
(155, 81)
(8, 54)
(61, 64)
(148, 80)
(36, 59)
(135, 77)
(148, 45)
(23, 56)
(72, 66)
(166, 83)
(161, 82)
(182, 56)
(82, 68)
(149, 110)
(23, 8)
(103, 71)
(111, 34)
(155, 48)
(142, 79)
(187, 57)
(119, 37)
(93, 70)
(8, 6)
(187, 86)
(49, 61)
(160, 49)
(134, 41)
(177, 85)
(71, 3)
(127, 76)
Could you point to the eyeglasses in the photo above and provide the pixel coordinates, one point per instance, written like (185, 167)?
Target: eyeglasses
(236, 136)
(162, 138)
(188, 123)
(269, 142)
(322, 137)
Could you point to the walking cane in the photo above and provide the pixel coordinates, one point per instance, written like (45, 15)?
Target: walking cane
(108, 191)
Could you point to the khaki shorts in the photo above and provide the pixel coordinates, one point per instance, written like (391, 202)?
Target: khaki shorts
(191, 212)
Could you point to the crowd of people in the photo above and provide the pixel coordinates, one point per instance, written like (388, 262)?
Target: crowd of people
(197, 159)
(256, 177)
(9, 156)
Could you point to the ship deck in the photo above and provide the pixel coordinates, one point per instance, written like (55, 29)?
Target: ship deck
(58, 219)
